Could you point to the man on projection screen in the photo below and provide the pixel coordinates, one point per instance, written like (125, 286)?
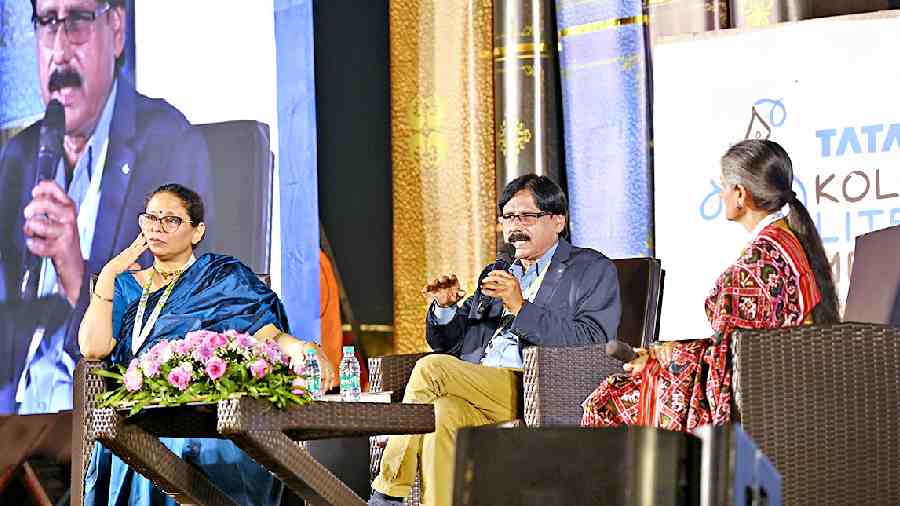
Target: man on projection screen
(118, 145)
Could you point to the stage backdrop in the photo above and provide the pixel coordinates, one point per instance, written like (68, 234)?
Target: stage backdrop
(825, 90)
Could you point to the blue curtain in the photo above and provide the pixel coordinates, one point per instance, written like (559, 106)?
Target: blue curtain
(606, 116)
(20, 98)
(297, 165)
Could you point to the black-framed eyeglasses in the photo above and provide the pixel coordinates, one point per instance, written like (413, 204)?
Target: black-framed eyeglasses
(77, 25)
(526, 219)
(168, 223)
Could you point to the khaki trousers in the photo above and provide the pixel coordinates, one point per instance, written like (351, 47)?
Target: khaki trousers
(464, 395)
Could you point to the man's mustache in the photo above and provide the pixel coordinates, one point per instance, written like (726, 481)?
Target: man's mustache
(64, 77)
(518, 236)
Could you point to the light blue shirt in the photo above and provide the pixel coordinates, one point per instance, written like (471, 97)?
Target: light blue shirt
(46, 383)
(503, 350)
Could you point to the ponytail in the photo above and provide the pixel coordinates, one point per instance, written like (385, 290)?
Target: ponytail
(800, 223)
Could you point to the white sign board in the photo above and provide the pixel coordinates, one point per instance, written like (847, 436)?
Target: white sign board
(827, 90)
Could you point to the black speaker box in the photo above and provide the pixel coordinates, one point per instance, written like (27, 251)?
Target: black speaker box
(734, 470)
(573, 466)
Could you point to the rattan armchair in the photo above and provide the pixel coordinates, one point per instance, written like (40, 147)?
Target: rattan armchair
(556, 380)
(822, 402)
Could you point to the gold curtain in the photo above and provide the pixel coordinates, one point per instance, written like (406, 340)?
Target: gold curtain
(443, 151)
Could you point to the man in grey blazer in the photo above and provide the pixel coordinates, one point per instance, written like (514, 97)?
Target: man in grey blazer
(553, 294)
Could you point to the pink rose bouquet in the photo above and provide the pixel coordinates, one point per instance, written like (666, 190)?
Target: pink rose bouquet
(207, 367)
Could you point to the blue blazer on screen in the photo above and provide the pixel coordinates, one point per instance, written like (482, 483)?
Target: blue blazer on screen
(150, 144)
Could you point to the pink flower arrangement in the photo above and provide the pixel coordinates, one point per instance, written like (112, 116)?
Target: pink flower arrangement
(215, 368)
(259, 368)
(180, 378)
(133, 378)
(208, 366)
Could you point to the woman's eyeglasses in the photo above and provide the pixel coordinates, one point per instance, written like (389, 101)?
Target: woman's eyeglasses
(168, 223)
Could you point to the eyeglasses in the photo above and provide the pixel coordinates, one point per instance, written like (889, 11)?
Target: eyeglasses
(527, 219)
(77, 25)
(169, 224)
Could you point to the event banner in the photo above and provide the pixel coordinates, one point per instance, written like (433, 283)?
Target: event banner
(823, 89)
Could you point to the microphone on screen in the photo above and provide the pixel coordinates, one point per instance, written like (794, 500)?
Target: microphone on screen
(50, 151)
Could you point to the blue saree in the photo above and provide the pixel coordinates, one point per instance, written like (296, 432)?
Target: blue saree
(216, 293)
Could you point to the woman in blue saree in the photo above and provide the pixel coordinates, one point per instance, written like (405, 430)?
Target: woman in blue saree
(132, 310)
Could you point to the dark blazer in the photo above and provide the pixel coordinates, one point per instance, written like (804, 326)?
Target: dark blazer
(150, 144)
(578, 303)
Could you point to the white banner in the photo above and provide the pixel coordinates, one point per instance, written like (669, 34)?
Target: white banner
(826, 90)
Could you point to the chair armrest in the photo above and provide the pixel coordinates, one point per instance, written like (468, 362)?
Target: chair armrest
(558, 379)
(88, 387)
(391, 373)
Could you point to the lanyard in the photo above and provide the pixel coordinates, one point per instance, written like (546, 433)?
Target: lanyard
(528, 294)
(531, 292)
(140, 331)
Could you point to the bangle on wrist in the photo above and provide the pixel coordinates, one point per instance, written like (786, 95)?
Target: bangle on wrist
(98, 296)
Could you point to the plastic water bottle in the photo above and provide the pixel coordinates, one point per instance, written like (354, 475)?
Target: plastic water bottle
(350, 388)
(313, 374)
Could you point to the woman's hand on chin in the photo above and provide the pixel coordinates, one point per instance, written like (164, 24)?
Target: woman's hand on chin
(127, 259)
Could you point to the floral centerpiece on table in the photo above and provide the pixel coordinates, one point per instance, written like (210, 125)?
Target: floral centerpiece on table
(207, 367)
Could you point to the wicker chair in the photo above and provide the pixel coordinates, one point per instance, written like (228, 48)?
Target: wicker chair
(86, 389)
(821, 402)
(555, 379)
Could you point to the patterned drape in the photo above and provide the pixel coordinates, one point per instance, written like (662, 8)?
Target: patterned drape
(606, 111)
(442, 149)
(527, 117)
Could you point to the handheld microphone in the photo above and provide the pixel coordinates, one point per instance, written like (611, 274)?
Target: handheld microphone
(50, 151)
(50, 148)
(505, 256)
(620, 351)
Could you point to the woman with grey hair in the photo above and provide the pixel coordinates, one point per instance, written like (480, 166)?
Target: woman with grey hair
(781, 279)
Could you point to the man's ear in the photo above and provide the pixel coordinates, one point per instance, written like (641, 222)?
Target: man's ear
(118, 20)
(559, 222)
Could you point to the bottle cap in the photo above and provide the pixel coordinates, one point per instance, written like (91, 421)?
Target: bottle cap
(348, 350)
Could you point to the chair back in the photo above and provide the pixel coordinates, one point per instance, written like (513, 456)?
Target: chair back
(242, 167)
(874, 294)
(641, 291)
(820, 401)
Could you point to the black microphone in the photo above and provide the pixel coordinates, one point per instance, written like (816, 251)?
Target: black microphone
(50, 151)
(621, 351)
(505, 255)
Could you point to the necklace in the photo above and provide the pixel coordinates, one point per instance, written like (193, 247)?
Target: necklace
(140, 331)
(166, 275)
